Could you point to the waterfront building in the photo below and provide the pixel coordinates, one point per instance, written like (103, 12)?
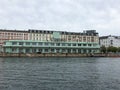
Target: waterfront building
(6, 35)
(110, 41)
(46, 41)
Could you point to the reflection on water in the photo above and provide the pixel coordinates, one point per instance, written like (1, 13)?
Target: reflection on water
(59, 74)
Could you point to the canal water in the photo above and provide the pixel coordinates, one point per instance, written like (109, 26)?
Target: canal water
(60, 73)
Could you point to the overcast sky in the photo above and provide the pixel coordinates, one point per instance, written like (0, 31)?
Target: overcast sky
(62, 15)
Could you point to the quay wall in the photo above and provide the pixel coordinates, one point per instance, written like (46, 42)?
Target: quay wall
(57, 55)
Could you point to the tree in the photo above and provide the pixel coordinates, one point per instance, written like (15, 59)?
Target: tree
(103, 49)
(118, 49)
(112, 49)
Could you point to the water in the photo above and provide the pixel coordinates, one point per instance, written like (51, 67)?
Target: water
(59, 73)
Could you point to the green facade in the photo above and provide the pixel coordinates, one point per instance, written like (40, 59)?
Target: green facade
(28, 46)
(56, 35)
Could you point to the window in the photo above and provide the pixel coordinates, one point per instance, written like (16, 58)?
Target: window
(4, 43)
(94, 44)
(52, 50)
(34, 50)
(89, 45)
(79, 50)
(46, 50)
(46, 44)
(52, 44)
(84, 44)
(14, 49)
(20, 50)
(63, 50)
(14, 43)
(39, 50)
(79, 44)
(27, 50)
(88, 39)
(27, 43)
(89, 51)
(57, 44)
(63, 44)
(69, 50)
(20, 43)
(69, 44)
(34, 43)
(92, 39)
(40, 43)
(74, 50)
(84, 51)
(57, 50)
(84, 39)
(74, 44)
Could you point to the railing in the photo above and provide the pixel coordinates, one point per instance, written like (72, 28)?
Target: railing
(26, 46)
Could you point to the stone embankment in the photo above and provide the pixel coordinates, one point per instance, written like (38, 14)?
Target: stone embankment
(58, 55)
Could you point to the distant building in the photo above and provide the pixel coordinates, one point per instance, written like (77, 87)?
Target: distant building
(46, 41)
(110, 41)
(6, 35)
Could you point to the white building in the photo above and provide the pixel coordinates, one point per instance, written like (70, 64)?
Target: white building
(110, 41)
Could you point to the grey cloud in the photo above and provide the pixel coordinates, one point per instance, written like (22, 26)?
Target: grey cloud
(68, 15)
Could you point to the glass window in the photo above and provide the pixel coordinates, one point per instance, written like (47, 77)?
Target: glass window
(57, 44)
(40, 50)
(63, 50)
(20, 50)
(52, 44)
(40, 43)
(46, 44)
(69, 50)
(52, 50)
(14, 43)
(57, 50)
(4, 43)
(74, 50)
(84, 39)
(27, 43)
(79, 44)
(79, 50)
(92, 39)
(20, 43)
(84, 44)
(63, 44)
(14, 49)
(94, 44)
(46, 50)
(89, 45)
(34, 50)
(27, 50)
(74, 44)
(69, 44)
(34, 43)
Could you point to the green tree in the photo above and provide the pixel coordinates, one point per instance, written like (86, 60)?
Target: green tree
(112, 49)
(118, 49)
(103, 49)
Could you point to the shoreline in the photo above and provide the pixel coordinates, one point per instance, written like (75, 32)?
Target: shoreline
(58, 55)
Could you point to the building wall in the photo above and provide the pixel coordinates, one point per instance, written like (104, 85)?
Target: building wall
(41, 41)
(63, 36)
(12, 35)
(17, 46)
(52, 42)
(110, 41)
